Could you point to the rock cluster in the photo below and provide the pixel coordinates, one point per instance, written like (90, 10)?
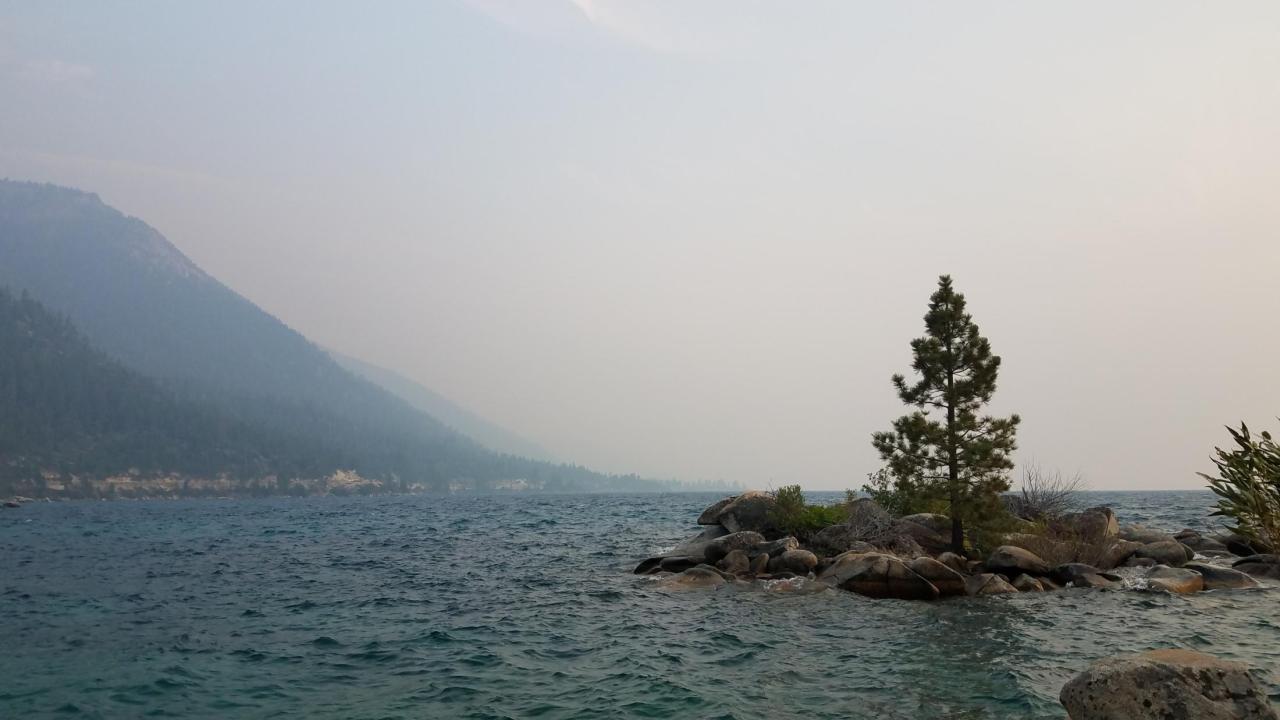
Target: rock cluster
(878, 556)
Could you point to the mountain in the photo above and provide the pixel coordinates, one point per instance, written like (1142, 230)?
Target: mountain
(139, 300)
(443, 409)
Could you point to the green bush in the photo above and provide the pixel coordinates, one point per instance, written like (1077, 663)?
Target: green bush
(1248, 485)
(793, 516)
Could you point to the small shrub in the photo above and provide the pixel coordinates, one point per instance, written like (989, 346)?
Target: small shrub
(793, 516)
(1248, 485)
(1045, 494)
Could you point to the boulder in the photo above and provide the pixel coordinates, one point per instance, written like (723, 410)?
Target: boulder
(800, 562)
(904, 546)
(722, 546)
(1138, 562)
(1081, 575)
(1166, 685)
(687, 554)
(735, 563)
(1026, 583)
(1259, 566)
(1144, 535)
(987, 584)
(946, 579)
(955, 562)
(837, 539)
(1094, 524)
(1116, 553)
(711, 516)
(1178, 581)
(1244, 546)
(702, 576)
(932, 532)
(774, 548)
(878, 576)
(1201, 544)
(1166, 552)
(759, 564)
(750, 511)
(1221, 578)
(696, 546)
(1012, 560)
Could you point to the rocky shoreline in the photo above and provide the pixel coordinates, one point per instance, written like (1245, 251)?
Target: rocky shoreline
(879, 556)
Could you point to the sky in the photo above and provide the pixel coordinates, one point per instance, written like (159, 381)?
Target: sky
(694, 239)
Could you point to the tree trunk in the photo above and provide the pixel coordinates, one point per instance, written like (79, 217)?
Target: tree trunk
(953, 461)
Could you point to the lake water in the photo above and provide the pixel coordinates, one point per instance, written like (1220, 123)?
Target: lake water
(522, 607)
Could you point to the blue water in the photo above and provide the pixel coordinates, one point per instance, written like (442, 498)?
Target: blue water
(524, 607)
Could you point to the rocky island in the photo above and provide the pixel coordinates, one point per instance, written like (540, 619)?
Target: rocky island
(876, 555)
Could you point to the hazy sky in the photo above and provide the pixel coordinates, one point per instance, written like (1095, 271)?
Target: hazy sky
(694, 239)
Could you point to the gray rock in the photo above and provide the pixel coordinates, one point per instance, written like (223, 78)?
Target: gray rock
(1117, 552)
(1201, 544)
(1179, 581)
(1137, 562)
(1166, 552)
(696, 546)
(711, 516)
(774, 548)
(800, 562)
(1221, 578)
(1012, 560)
(1081, 575)
(1244, 546)
(987, 584)
(760, 564)
(837, 539)
(721, 546)
(752, 510)
(735, 563)
(946, 579)
(878, 576)
(1026, 583)
(924, 529)
(1166, 685)
(1259, 566)
(1094, 524)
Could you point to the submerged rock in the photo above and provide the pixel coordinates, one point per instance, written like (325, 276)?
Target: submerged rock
(1166, 685)
(878, 576)
(1081, 575)
(702, 576)
(987, 584)
(1220, 578)
(1012, 560)
(1179, 581)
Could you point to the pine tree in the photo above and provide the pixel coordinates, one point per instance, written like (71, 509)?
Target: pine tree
(957, 454)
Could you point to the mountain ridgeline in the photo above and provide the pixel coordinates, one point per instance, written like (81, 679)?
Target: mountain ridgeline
(129, 370)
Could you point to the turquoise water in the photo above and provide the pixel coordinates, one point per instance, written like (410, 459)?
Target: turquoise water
(524, 606)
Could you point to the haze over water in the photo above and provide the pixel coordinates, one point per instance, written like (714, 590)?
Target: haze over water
(694, 239)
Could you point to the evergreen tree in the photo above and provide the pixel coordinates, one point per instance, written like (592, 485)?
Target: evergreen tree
(955, 454)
